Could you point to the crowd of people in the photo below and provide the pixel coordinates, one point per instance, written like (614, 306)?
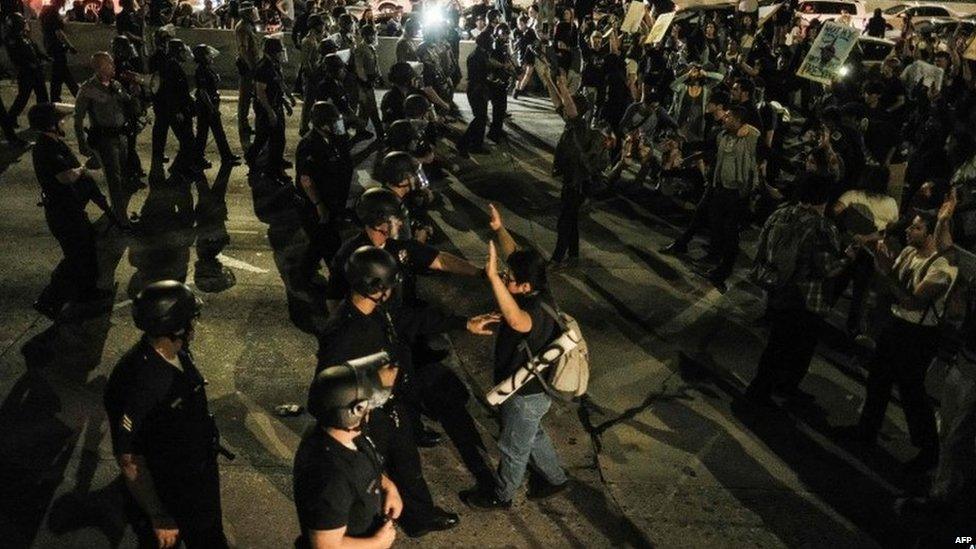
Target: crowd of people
(865, 181)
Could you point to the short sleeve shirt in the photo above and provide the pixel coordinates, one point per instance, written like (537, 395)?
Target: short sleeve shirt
(270, 76)
(510, 353)
(912, 271)
(411, 256)
(51, 157)
(336, 486)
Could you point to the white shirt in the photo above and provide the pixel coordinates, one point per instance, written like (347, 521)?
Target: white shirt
(908, 268)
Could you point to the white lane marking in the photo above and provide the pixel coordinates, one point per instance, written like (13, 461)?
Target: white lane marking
(121, 304)
(239, 264)
(259, 424)
(242, 231)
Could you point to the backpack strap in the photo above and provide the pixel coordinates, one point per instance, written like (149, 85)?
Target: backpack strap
(554, 314)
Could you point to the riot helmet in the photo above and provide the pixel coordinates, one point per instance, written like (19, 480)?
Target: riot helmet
(379, 205)
(177, 50)
(402, 74)
(325, 116)
(399, 169)
(204, 53)
(401, 136)
(341, 396)
(123, 49)
(416, 106)
(371, 270)
(165, 308)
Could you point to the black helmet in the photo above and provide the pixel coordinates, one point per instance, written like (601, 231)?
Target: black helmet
(401, 74)
(346, 22)
(203, 52)
(324, 114)
(377, 205)
(122, 48)
(341, 395)
(370, 270)
(396, 166)
(333, 62)
(416, 105)
(165, 308)
(16, 22)
(176, 49)
(401, 136)
(315, 21)
(44, 116)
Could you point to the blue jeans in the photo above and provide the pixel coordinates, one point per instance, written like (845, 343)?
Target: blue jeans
(523, 442)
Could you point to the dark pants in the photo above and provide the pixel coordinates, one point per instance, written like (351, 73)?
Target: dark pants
(272, 136)
(61, 75)
(499, 106)
(76, 276)
(727, 209)
(785, 360)
(393, 434)
(160, 132)
(183, 130)
(193, 500)
(858, 273)
(27, 83)
(699, 219)
(567, 227)
(474, 135)
(7, 123)
(324, 238)
(904, 353)
(208, 119)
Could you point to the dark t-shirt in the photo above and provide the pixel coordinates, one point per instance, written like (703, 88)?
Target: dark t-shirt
(510, 355)
(329, 166)
(51, 23)
(477, 69)
(270, 75)
(335, 486)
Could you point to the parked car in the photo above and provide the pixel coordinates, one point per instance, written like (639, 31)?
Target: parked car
(895, 15)
(834, 10)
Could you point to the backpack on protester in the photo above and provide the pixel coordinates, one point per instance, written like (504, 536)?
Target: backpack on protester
(777, 257)
(562, 366)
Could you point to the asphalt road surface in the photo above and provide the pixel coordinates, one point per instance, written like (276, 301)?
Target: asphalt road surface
(659, 452)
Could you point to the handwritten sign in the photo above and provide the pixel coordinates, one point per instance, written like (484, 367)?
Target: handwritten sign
(828, 53)
(660, 28)
(635, 14)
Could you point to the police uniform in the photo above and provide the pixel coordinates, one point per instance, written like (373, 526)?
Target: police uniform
(173, 99)
(208, 111)
(108, 135)
(75, 277)
(158, 410)
(268, 72)
(27, 59)
(411, 256)
(51, 23)
(351, 334)
(336, 486)
(328, 163)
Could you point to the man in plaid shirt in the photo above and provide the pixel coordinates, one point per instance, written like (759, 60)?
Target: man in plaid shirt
(795, 307)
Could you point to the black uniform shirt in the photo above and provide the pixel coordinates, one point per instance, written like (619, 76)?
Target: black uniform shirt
(335, 486)
(174, 88)
(510, 355)
(391, 106)
(23, 53)
(159, 411)
(478, 69)
(51, 157)
(269, 74)
(128, 22)
(207, 80)
(411, 256)
(329, 165)
(51, 23)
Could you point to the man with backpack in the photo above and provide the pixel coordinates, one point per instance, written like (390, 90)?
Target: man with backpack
(799, 251)
(528, 324)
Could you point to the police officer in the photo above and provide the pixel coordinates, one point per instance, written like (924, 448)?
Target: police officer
(366, 69)
(403, 82)
(27, 59)
(331, 79)
(129, 72)
(402, 174)
(102, 100)
(310, 61)
(363, 324)
(272, 102)
(58, 46)
(66, 188)
(499, 77)
(340, 490)
(163, 435)
(323, 173)
(208, 106)
(479, 94)
(177, 108)
(157, 60)
(249, 53)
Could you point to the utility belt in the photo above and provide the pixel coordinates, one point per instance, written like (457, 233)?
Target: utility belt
(96, 133)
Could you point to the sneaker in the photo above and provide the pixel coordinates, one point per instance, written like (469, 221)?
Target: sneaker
(478, 499)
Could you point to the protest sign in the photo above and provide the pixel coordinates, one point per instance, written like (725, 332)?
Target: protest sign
(828, 53)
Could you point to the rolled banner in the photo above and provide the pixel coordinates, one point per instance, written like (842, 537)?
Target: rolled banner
(548, 356)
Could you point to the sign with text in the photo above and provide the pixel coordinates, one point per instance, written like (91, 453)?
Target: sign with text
(660, 28)
(635, 14)
(828, 53)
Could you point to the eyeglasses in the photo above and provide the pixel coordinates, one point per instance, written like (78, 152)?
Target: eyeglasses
(506, 277)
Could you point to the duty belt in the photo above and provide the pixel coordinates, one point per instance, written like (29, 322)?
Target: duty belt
(100, 132)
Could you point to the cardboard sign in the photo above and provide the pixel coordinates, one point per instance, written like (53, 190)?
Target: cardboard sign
(660, 28)
(766, 13)
(970, 52)
(828, 53)
(635, 14)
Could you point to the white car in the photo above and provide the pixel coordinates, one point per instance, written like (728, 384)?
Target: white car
(852, 12)
(895, 15)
